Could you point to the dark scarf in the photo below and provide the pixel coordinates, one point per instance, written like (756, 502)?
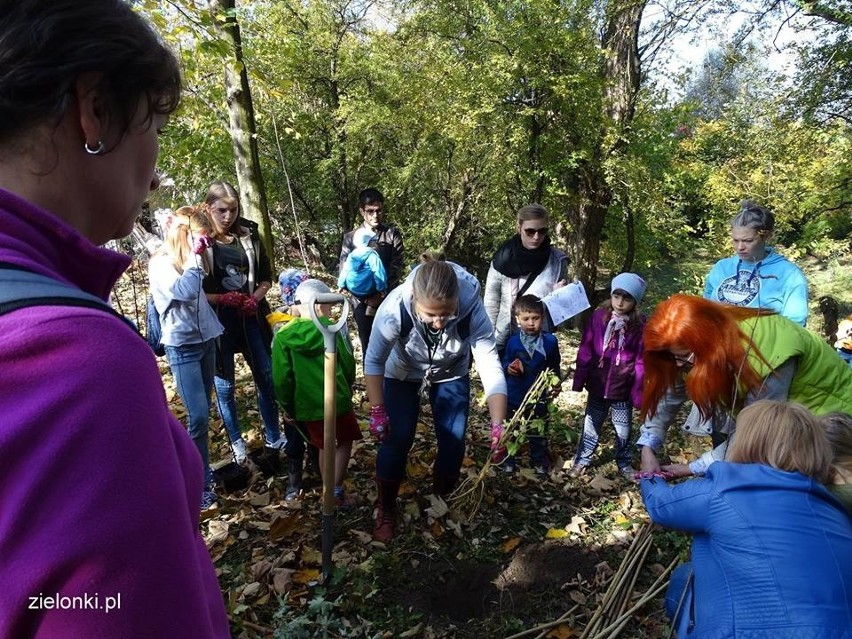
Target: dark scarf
(512, 259)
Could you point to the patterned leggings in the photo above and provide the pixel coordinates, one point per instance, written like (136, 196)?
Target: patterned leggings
(622, 419)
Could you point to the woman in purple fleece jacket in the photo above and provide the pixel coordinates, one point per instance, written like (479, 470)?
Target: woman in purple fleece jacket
(99, 484)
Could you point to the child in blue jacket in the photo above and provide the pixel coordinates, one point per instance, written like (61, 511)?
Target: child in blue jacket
(363, 274)
(527, 354)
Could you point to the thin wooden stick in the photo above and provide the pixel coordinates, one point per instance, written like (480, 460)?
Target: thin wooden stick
(655, 589)
(468, 496)
(544, 626)
(641, 539)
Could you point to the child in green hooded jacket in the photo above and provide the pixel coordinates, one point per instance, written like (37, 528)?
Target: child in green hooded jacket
(297, 373)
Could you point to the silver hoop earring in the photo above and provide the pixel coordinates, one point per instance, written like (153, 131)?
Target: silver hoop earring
(97, 150)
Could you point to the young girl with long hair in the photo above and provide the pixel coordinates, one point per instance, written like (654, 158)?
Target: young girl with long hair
(771, 548)
(236, 287)
(189, 325)
(423, 337)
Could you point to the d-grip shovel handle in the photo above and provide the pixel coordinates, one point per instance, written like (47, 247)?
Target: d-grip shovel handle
(329, 332)
(329, 336)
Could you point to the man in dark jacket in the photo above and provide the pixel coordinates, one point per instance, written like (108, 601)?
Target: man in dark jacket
(389, 247)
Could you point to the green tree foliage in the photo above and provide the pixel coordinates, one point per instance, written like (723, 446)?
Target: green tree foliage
(460, 112)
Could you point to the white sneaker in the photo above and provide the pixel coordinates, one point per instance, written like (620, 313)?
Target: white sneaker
(278, 444)
(239, 448)
(208, 500)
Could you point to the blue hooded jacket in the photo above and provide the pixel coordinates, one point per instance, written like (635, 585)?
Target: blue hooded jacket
(771, 553)
(774, 282)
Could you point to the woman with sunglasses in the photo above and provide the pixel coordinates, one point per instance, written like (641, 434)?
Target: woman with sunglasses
(526, 263)
(423, 337)
(753, 354)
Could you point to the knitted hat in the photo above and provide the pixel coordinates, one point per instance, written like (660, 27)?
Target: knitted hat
(288, 281)
(631, 284)
(363, 237)
(307, 291)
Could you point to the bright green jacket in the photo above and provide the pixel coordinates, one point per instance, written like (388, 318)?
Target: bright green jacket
(298, 364)
(822, 381)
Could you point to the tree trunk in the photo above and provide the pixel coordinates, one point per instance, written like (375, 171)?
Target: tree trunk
(623, 74)
(630, 253)
(242, 123)
(620, 71)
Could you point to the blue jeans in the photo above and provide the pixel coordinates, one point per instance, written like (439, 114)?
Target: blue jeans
(450, 403)
(192, 367)
(247, 338)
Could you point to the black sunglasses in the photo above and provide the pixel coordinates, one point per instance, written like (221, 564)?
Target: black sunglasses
(533, 232)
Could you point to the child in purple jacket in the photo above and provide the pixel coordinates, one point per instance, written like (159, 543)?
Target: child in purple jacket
(609, 367)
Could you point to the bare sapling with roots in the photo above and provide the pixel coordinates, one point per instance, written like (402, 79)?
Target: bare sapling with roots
(467, 497)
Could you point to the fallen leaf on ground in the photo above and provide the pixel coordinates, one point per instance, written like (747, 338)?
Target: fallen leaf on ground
(306, 576)
(217, 531)
(438, 507)
(361, 536)
(601, 483)
(259, 499)
(562, 631)
(282, 579)
(577, 525)
(283, 527)
(510, 544)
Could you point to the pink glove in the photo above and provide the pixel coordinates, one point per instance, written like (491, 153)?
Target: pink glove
(231, 299)
(379, 423)
(202, 243)
(651, 475)
(248, 308)
(498, 452)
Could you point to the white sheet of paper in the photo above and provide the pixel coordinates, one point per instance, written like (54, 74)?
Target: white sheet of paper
(566, 302)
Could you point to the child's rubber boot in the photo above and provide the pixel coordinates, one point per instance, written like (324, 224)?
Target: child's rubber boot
(294, 479)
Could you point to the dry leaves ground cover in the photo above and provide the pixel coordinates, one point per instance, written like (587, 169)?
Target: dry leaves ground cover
(537, 548)
(539, 551)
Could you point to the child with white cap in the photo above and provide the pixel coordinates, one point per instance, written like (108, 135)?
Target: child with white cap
(609, 367)
(297, 373)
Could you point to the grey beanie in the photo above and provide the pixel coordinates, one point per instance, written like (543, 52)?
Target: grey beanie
(631, 284)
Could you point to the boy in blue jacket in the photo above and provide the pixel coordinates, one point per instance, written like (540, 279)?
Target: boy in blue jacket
(528, 353)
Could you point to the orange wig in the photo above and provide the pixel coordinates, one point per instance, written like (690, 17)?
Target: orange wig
(721, 373)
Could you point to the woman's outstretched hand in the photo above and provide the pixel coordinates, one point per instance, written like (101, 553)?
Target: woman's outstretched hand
(677, 470)
(649, 461)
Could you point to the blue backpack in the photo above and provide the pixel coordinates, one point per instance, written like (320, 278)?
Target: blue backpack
(21, 288)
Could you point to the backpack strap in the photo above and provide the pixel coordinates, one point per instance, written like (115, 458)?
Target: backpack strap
(22, 288)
